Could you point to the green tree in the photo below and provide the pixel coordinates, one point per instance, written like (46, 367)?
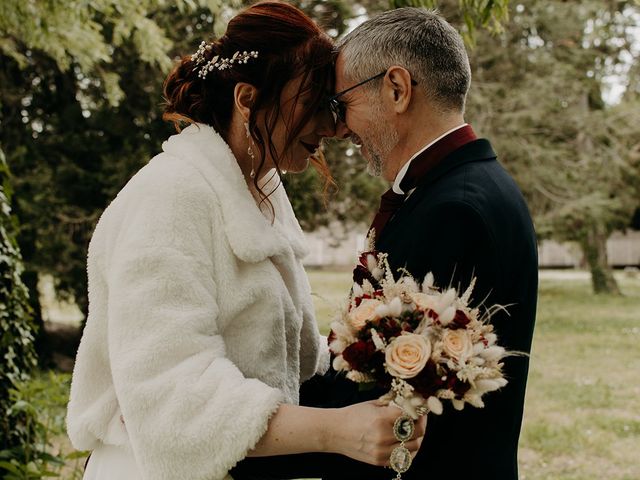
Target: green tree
(539, 95)
(80, 113)
(17, 352)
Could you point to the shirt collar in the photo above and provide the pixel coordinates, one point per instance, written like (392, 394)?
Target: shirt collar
(403, 171)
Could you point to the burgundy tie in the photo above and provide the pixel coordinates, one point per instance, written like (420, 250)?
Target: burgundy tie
(390, 201)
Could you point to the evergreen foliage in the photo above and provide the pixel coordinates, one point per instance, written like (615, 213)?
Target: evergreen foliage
(17, 354)
(80, 112)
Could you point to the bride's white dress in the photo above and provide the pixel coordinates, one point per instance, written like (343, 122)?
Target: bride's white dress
(109, 461)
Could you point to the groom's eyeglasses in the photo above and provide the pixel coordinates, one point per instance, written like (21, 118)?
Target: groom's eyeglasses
(339, 108)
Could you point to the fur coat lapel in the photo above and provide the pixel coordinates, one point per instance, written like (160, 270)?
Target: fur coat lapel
(253, 238)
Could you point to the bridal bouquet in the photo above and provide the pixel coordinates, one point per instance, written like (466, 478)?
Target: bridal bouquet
(424, 344)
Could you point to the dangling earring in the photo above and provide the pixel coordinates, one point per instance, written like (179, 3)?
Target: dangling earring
(249, 149)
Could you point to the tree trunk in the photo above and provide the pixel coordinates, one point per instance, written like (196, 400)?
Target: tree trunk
(594, 247)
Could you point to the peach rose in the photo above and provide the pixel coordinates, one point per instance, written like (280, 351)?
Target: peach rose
(457, 343)
(363, 312)
(407, 355)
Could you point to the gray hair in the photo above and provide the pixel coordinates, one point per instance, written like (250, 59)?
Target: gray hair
(417, 39)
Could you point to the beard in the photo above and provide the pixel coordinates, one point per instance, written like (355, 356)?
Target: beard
(381, 138)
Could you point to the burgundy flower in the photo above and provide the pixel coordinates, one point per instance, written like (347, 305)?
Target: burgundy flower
(461, 320)
(433, 378)
(459, 387)
(363, 257)
(360, 299)
(430, 380)
(360, 274)
(411, 319)
(358, 354)
(389, 328)
(377, 363)
(427, 382)
(376, 367)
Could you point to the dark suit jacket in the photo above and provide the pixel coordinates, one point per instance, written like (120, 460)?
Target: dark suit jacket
(466, 218)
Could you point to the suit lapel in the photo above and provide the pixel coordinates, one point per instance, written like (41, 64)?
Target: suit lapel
(476, 151)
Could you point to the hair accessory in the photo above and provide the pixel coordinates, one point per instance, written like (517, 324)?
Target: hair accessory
(250, 150)
(218, 62)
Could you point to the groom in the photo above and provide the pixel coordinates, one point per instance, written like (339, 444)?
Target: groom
(402, 80)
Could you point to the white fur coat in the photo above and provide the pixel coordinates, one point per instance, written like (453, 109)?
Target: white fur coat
(200, 316)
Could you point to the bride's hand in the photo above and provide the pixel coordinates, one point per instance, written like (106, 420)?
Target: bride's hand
(364, 432)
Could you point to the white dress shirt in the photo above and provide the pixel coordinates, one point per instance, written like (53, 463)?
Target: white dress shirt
(405, 167)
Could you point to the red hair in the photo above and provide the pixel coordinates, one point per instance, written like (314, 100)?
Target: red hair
(290, 45)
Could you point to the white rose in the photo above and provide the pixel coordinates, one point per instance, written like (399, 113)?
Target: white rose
(363, 312)
(457, 343)
(407, 355)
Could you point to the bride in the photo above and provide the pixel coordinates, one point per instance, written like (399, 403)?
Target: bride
(201, 325)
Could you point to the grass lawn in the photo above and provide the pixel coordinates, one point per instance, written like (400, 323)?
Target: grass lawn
(582, 412)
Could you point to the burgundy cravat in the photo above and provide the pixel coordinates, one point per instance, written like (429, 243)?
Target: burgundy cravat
(390, 201)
